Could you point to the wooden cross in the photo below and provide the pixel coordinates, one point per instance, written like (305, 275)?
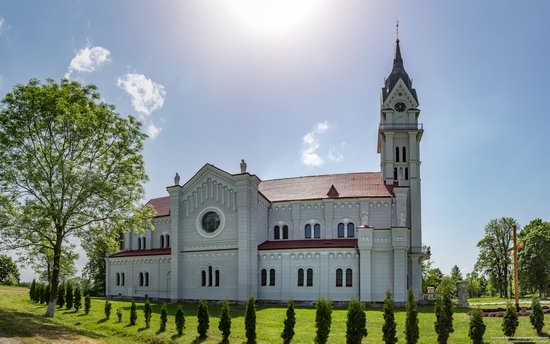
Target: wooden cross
(515, 249)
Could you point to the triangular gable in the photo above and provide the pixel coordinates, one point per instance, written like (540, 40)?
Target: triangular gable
(407, 95)
(332, 192)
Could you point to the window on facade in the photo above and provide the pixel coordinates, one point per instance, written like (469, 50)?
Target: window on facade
(404, 154)
(144, 243)
(141, 279)
(349, 277)
(341, 230)
(272, 277)
(406, 173)
(162, 241)
(121, 242)
(309, 277)
(217, 281)
(117, 278)
(317, 231)
(263, 277)
(167, 240)
(203, 278)
(276, 233)
(351, 230)
(139, 243)
(338, 277)
(300, 277)
(285, 232)
(209, 276)
(396, 154)
(395, 173)
(308, 231)
(146, 279)
(123, 278)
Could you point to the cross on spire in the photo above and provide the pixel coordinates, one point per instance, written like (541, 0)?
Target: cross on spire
(397, 31)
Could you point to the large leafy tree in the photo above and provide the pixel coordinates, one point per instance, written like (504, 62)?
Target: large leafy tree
(493, 259)
(9, 274)
(534, 258)
(431, 277)
(69, 163)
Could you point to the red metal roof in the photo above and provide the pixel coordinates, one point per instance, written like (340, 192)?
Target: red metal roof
(362, 184)
(306, 244)
(161, 205)
(137, 253)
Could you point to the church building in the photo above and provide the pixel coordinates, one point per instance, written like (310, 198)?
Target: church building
(228, 236)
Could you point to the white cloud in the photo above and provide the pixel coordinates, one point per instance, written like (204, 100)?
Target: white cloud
(2, 21)
(310, 144)
(147, 96)
(334, 153)
(152, 131)
(88, 59)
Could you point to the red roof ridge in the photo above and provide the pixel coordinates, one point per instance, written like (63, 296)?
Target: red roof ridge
(322, 175)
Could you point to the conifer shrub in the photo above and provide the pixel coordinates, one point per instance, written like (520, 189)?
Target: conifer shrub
(537, 316)
(87, 303)
(42, 293)
(77, 298)
(61, 296)
(443, 318)
(477, 327)
(107, 309)
(133, 313)
(163, 317)
(250, 320)
(412, 332)
(323, 320)
(47, 293)
(510, 321)
(225, 322)
(290, 321)
(180, 320)
(202, 319)
(31, 291)
(356, 325)
(147, 311)
(389, 329)
(69, 296)
(119, 314)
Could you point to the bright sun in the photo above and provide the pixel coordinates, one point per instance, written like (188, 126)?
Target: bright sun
(274, 16)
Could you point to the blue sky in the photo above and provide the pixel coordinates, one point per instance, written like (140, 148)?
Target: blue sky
(217, 81)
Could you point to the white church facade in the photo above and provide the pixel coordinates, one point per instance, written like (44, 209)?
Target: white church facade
(224, 236)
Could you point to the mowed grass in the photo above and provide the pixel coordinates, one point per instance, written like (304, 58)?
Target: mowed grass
(23, 319)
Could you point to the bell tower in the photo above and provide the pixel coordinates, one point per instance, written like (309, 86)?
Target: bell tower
(399, 136)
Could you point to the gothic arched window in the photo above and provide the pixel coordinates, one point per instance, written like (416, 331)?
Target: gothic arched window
(117, 278)
(349, 277)
(277, 233)
(144, 246)
(139, 243)
(122, 279)
(395, 173)
(146, 279)
(263, 278)
(317, 231)
(217, 280)
(338, 277)
(162, 241)
(406, 173)
(341, 230)
(203, 278)
(351, 230)
(272, 277)
(167, 240)
(309, 278)
(285, 232)
(141, 279)
(404, 154)
(308, 231)
(300, 277)
(396, 154)
(209, 276)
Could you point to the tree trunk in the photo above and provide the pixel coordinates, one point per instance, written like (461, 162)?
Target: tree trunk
(50, 311)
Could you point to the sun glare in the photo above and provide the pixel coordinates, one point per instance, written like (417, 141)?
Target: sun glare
(273, 16)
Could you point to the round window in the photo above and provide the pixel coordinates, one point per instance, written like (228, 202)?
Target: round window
(210, 222)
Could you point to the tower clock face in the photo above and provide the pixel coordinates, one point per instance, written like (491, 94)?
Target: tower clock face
(400, 107)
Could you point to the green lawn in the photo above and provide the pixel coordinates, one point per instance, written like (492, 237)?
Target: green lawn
(22, 319)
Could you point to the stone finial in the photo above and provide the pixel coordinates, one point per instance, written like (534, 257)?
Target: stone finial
(243, 166)
(177, 179)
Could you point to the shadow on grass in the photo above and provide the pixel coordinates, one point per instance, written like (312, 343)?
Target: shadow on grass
(23, 324)
(198, 340)
(143, 328)
(102, 320)
(130, 325)
(176, 336)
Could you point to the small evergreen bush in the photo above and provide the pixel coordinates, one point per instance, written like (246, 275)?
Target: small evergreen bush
(290, 321)
(537, 316)
(33, 288)
(119, 314)
(107, 309)
(133, 313)
(69, 296)
(412, 332)
(250, 320)
(356, 325)
(444, 318)
(203, 319)
(180, 320)
(61, 296)
(77, 298)
(47, 293)
(389, 329)
(510, 321)
(87, 303)
(42, 293)
(323, 320)
(477, 327)
(163, 318)
(225, 322)
(147, 311)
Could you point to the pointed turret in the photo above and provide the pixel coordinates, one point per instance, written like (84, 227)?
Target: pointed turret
(398, 72)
